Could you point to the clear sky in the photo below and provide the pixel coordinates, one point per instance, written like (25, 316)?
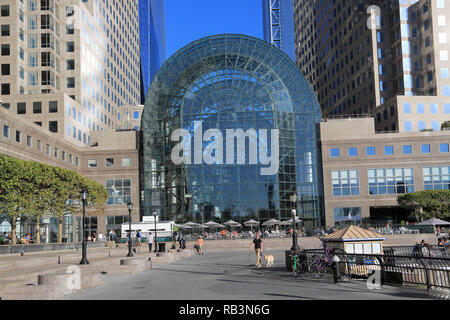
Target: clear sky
(189, 20)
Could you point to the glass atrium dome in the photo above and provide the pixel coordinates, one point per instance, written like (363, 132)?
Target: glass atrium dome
(230, 82)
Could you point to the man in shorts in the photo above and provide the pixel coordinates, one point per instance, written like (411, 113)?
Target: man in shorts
(258, 245)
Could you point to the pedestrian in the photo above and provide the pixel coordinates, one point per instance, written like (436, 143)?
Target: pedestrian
(258, 245)
(43, 238)
(150, 242)
(138, 237)
(200, 244)
(183, 242)
(94, 237)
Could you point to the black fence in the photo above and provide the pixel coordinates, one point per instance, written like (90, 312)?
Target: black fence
(418, 251)
(422, 271)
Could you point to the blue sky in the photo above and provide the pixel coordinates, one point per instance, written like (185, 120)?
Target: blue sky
(189, 20)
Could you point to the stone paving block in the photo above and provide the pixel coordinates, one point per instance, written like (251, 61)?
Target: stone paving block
(44, 292)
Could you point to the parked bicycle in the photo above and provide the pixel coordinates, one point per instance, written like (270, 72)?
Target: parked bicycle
(299, 263)
(321, 263)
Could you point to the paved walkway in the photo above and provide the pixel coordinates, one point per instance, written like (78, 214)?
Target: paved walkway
(232, 275)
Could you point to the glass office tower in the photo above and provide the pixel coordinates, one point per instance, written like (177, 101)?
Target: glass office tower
(152, 33)
(278, 25)
(230, 82)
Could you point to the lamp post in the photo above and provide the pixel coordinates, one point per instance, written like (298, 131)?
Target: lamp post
(156, 235)
(130, 208)
(83, 246)
(293, 199)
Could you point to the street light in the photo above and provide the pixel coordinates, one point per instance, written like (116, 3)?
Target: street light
(293, 198)
(130, 207)
(83, 246)
(156, 235)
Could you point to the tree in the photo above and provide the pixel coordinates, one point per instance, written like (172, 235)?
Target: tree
(12, 189)
(427, 204)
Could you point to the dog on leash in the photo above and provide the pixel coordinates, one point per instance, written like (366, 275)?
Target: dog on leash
(269, 260)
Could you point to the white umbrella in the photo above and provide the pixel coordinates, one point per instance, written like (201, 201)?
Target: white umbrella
(251, 223)
(271, 222)
(289, 222)
(433, 222)
(232, 223)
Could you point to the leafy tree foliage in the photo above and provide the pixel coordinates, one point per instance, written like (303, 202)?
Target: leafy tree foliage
(427, 204)
(36, 190)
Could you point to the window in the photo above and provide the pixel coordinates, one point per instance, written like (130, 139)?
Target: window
(6, 69)
(56, 152)
(334, 153)
(47, 149)
(71, 64)
(408, 126)
(370, 151)
(29, 141)
(345, 183)
(18, 136)
(407, 149)
(446, 91)
(119, 191)
(434, 108)
(6, 49)
(21, 108)
(126, 162)
(443, 148)
(6, 88)
(391, 181)
(352, 152)
(440, 4)
(388, 150)
(70, 82)
(436, 178)
(53, 107)
(343, 216)
(136, 115)
(109, 162)
(5, 30)
(53, 126)
(420, 108)
(92, 163)
(70, 46)
(37, 107)
(443, 55)
(447, 108)
(39, 145)
(5, 131)
(425, 148)
(421, 125)
(5, 11)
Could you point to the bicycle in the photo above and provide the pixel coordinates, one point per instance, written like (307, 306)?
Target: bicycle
(299, 263)
(319, 267)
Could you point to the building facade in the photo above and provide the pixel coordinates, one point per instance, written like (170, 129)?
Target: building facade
(379, 58)
(152, 35)
(213, 86)
(364, 171)
(278, 25)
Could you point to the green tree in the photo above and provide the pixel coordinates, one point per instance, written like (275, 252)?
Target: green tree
(12, 190)
(427, 204)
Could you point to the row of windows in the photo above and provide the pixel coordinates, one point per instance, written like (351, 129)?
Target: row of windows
(420, 108)
(39, 145)
(109, 163)
(389, 150)
(389, 181)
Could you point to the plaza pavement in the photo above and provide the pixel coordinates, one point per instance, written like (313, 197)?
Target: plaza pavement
(231, 275)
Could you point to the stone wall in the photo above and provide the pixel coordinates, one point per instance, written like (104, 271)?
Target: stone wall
(308, 242)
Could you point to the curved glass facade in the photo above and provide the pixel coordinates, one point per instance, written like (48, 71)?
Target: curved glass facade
(230, 82)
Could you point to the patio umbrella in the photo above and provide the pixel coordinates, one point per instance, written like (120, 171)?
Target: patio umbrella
(251, 223)
(232, 223)
(433, 222)
(271, 222)
(289, 222)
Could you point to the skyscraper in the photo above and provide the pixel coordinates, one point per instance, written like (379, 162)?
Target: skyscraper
(278, 24)
(396, 70)
(152, 32)
(69, 66)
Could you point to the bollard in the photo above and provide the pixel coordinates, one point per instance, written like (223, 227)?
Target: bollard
(336, 273)
(109, 254)
(59, 259)
(22, 252)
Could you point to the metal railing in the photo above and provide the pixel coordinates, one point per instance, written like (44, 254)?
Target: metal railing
(429, 272)
(418, 251)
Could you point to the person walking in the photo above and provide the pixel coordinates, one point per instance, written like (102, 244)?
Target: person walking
(150, 242)
(200, 244)
(138, 238)
(258, 245)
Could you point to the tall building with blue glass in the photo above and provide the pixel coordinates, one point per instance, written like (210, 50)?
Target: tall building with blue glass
(278, 24)
(152, 32)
